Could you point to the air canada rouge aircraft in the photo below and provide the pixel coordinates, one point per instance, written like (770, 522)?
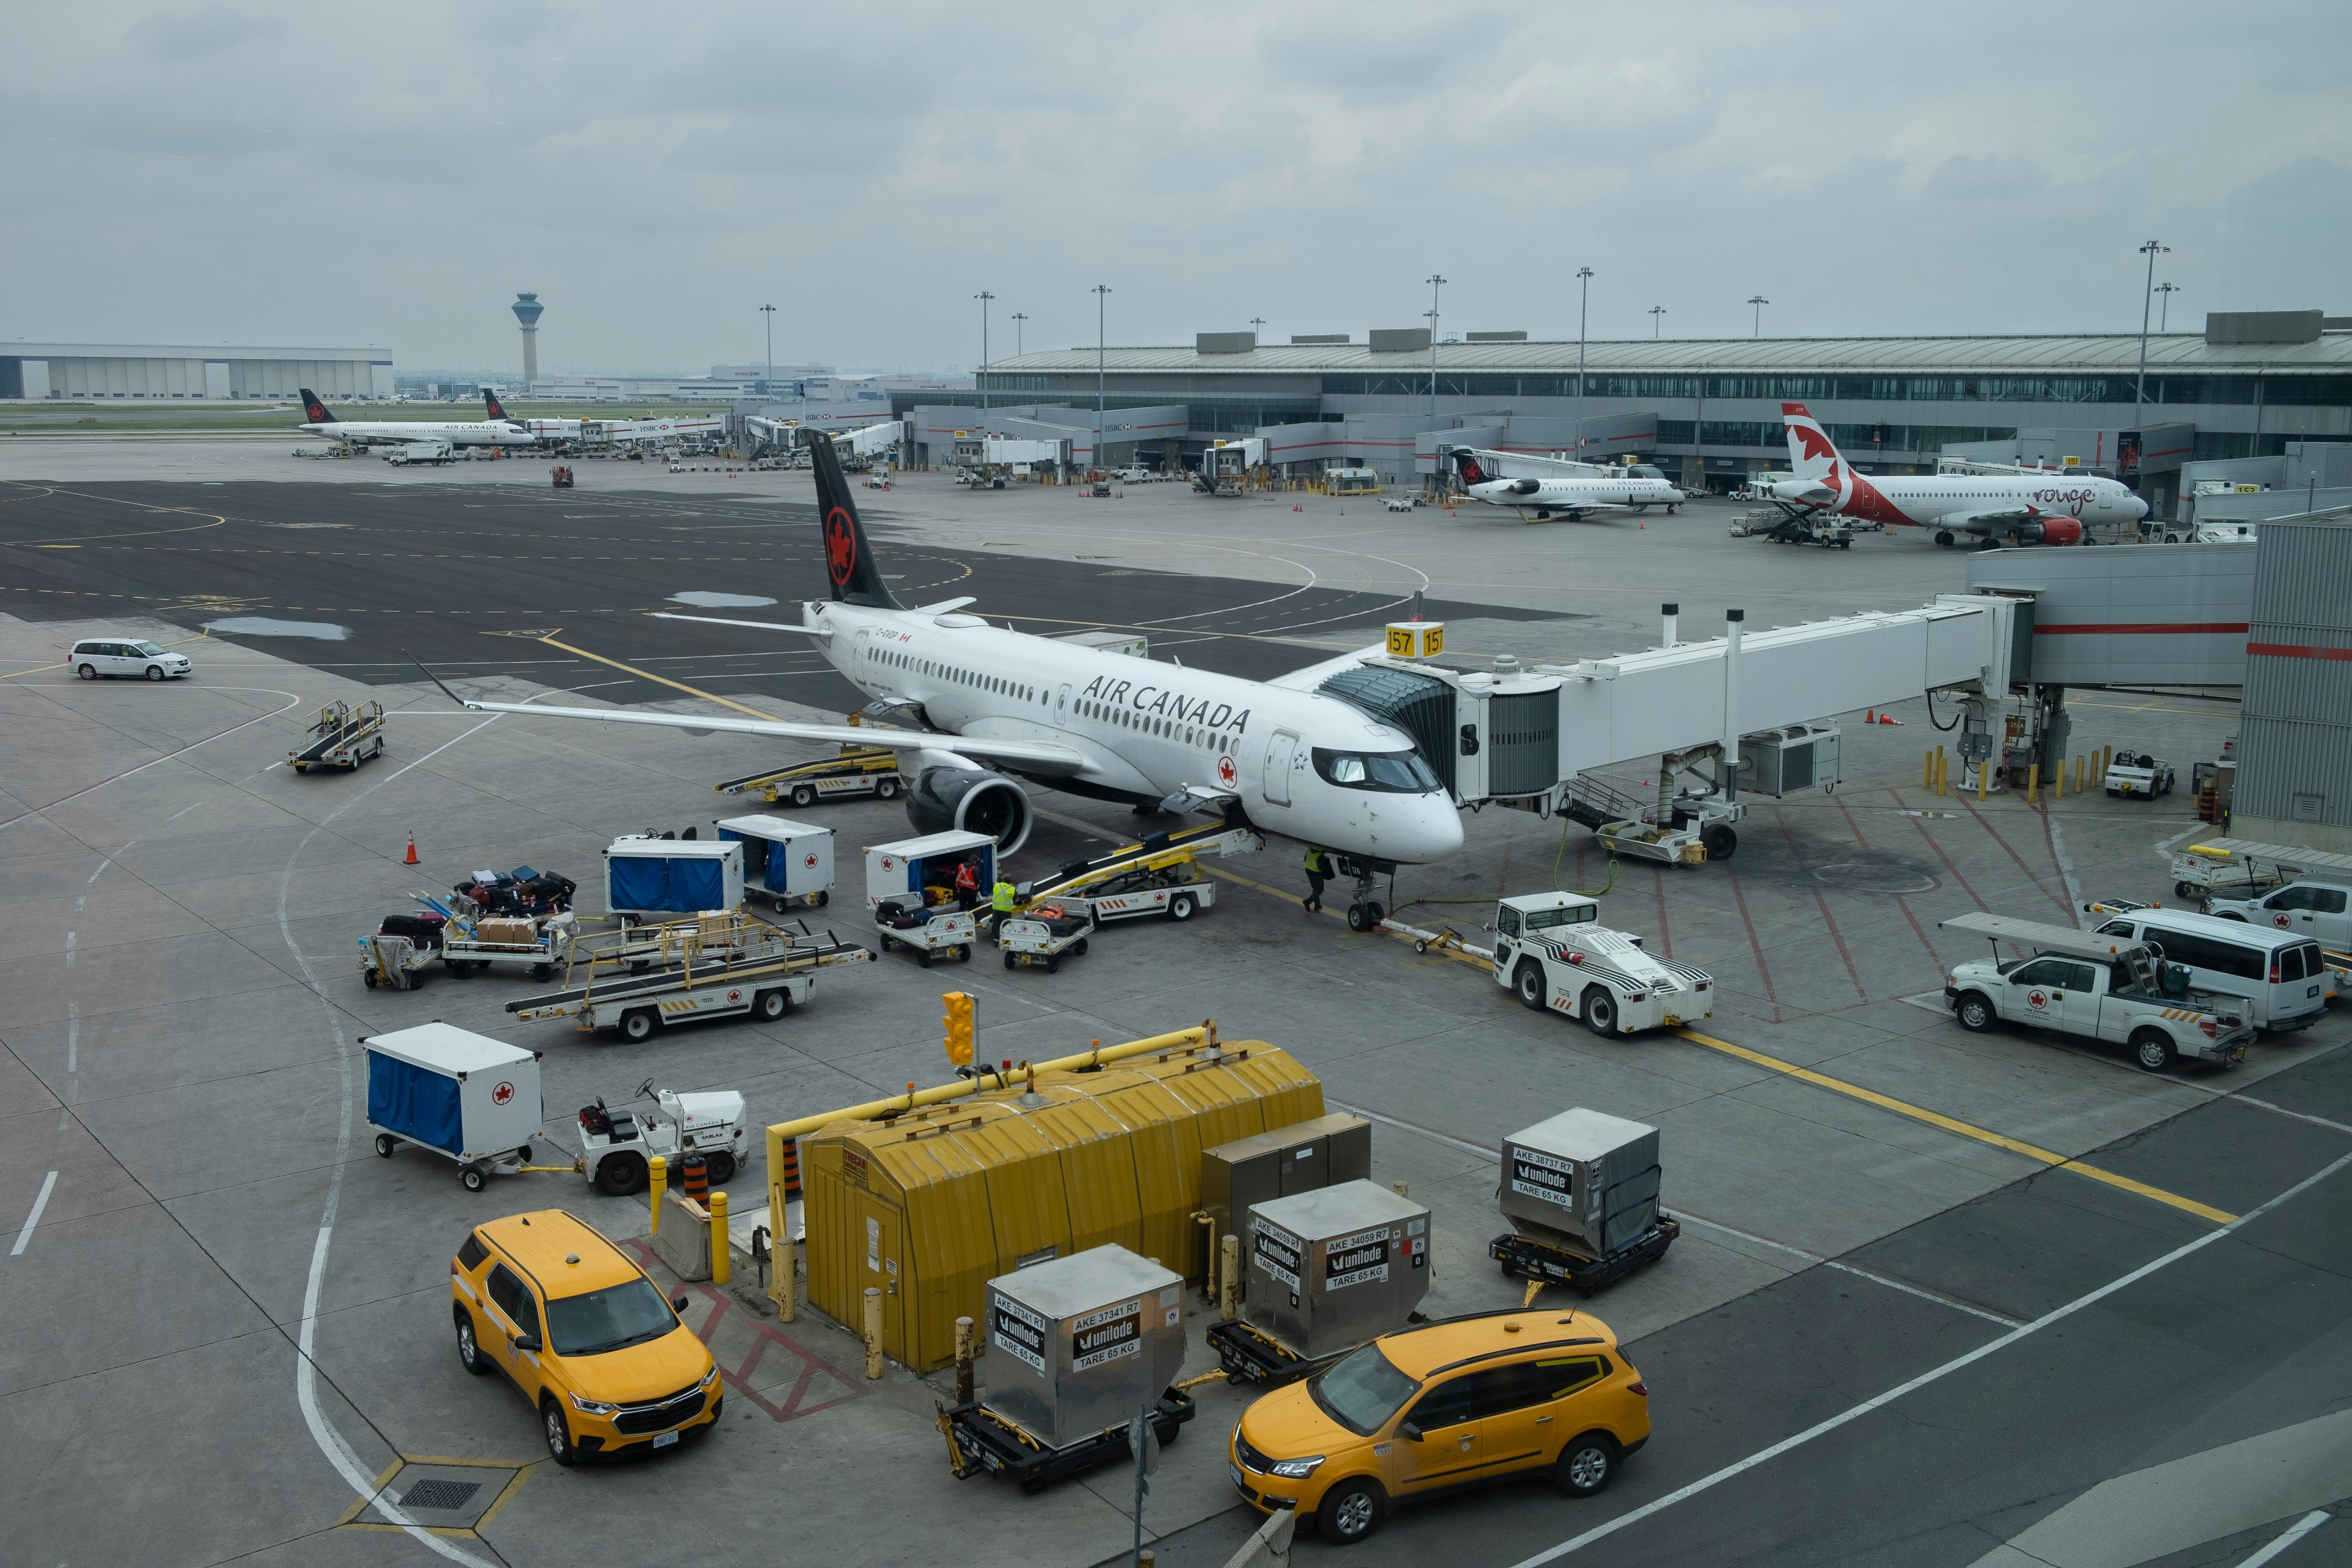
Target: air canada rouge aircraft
(494, 432)
(1999, 505)
(1279, 755)
(1568, 490)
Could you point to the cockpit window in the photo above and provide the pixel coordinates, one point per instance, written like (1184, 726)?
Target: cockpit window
(1389, 772)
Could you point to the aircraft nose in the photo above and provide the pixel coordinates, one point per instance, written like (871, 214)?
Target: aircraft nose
(1435, 832)
(2138, 509)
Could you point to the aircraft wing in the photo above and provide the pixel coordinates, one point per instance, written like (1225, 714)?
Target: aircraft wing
(821, 633)
(1978, 521)
(1526, 466)
(1315, 675)
(1034, 755)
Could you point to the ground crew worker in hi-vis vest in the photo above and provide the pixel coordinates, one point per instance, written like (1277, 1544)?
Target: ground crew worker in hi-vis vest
(1001, 899)
(1318, 871)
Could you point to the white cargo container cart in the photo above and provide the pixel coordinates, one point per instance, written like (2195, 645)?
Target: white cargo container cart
(464, 1096)
(614, 1145)
(784, 861)
(719, 966)
(1551, 951)
(1580, 1191)
(911, 885)
(1077, 1346)
(1324, 1272)
(655, 877)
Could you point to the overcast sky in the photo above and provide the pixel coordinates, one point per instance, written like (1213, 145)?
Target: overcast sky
(394, 174)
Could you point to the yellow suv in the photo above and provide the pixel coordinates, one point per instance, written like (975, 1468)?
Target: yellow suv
(575, 1324)
(1451, 1404)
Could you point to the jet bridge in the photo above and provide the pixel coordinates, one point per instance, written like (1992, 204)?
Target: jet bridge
(1496, 731)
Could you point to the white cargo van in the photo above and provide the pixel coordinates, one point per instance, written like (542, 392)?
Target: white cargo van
(2281, 974)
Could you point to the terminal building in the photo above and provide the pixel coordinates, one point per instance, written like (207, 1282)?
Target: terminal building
(78, 371)
(1706, 411)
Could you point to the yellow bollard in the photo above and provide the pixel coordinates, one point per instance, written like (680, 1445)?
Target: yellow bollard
(1942, 773)
(963, 1362)
(2033, 783)
(2078, 772)
(2106, 760)
(657, 1183)
(719, 1261)
(2058, 781)
(783, 1256)
(873, 1332)
(1927, 769)
(1984, 777)
(1229, 1280)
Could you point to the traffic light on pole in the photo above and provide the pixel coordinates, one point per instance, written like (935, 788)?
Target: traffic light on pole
(961, 1024)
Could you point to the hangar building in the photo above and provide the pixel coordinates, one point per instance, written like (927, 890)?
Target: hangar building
(79, 371)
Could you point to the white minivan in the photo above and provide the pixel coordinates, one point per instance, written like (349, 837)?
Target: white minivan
(123, 655)
(2320, 910)
(2284, 980)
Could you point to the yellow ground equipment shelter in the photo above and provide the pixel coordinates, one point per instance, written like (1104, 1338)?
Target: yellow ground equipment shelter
(930, 1205)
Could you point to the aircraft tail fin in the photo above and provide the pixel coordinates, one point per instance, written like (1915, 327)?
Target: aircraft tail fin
(316, 412)
(498, 409)
(855, 576)
(1810, 455)
(1468, 467)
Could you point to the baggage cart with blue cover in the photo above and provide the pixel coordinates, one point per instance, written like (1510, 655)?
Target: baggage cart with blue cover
(459, 1094)
(784, 860)
(655, 877)
(910, 887)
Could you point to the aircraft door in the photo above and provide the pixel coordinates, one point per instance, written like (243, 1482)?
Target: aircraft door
(1281, 754)
(1061, 704)
(864, 646)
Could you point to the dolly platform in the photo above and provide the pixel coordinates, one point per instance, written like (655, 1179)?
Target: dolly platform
(1523, 1257)
(979, 1439)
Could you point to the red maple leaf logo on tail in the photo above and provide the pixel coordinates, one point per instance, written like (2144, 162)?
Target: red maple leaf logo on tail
(1812, 442)
(840, 547)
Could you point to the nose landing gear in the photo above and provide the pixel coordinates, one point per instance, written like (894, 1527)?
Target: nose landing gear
(1364, 912)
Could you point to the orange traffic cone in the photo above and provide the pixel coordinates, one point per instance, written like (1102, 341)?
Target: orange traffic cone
(412, 849)
(1870, 715)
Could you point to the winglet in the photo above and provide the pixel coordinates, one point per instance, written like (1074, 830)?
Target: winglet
(436, 680)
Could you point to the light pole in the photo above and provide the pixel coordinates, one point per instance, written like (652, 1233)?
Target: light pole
(1583, 297)
(1018, 317)
(2164, 311)
(1102, 304)
(769, 313)
(983, 297)
(1435, 283)
(1760, 302)
(1656, 311)
(2152, 249)
(1256, 323)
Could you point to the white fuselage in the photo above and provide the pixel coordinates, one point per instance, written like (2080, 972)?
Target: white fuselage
(1148, 730)
(1576, 494)
(1965, 502)
(458, 433)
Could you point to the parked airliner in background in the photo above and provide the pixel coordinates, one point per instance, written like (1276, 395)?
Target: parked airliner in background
(321, 422)
(548, 430)
(1998, 505)
(1550, 487)
(1279, 755)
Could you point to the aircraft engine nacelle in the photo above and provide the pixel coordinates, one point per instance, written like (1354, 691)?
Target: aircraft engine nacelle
(1526, 487)
(949, 798)
(2050, 531)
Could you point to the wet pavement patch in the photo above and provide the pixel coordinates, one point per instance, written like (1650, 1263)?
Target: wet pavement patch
(263, 626)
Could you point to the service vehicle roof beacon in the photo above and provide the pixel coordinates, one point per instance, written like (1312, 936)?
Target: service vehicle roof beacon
(1330, 1269)
(1584, 1177)
(1078, 1344)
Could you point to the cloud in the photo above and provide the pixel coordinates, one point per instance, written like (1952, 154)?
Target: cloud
(177, 38)
(1988, 178)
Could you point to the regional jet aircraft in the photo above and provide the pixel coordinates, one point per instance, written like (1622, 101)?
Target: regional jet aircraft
(1280, 755)
(1557, 488)
(1999, 505)
(322, 421)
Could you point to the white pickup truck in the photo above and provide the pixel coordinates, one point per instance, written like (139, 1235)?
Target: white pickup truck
(2097, 987)
(1551, 951)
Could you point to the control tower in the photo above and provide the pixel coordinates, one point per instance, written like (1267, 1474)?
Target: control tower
(527, 309)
